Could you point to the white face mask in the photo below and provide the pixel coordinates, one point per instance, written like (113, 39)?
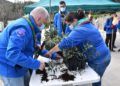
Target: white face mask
(41, 27)
(71, 27)
(62, 9)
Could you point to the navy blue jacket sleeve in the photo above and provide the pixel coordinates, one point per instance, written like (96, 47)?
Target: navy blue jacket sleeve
(55, 21)
(67, 30)
(58, 24)
(15, 50)
(73, 39)
(53, 56)
(107, 24)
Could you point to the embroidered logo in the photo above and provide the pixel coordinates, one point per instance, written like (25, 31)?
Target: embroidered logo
(20, 32)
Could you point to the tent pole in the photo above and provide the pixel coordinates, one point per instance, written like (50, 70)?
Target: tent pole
(50, 12)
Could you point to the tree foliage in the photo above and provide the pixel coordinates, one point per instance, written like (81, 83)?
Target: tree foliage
(11, 11)
(116, 0)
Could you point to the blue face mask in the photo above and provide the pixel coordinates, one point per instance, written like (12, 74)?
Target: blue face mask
(41, 27)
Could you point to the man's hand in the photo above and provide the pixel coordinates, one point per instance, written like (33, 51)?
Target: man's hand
(48, 55)
(112, 26)
(54, 49)
(42, 65)
(58, 57)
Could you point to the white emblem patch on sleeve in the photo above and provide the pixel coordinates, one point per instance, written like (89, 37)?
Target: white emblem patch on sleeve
(20, 32)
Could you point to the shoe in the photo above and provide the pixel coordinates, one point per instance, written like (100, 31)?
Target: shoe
(119, 50)
(114, 46)
(112, 50)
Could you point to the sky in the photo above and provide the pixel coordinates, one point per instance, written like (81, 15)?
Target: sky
(23, 0)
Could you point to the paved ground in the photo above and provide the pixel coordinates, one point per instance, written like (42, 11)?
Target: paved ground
(1, 83)
(112, 74)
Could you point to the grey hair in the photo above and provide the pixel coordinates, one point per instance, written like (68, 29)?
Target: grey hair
(40, 11)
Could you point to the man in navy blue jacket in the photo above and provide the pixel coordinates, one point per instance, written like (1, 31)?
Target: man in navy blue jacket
(17, 46)
(59, 22)
(110, 32)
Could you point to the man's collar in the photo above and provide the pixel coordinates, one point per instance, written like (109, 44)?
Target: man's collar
(34, 24)
(82, 21)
